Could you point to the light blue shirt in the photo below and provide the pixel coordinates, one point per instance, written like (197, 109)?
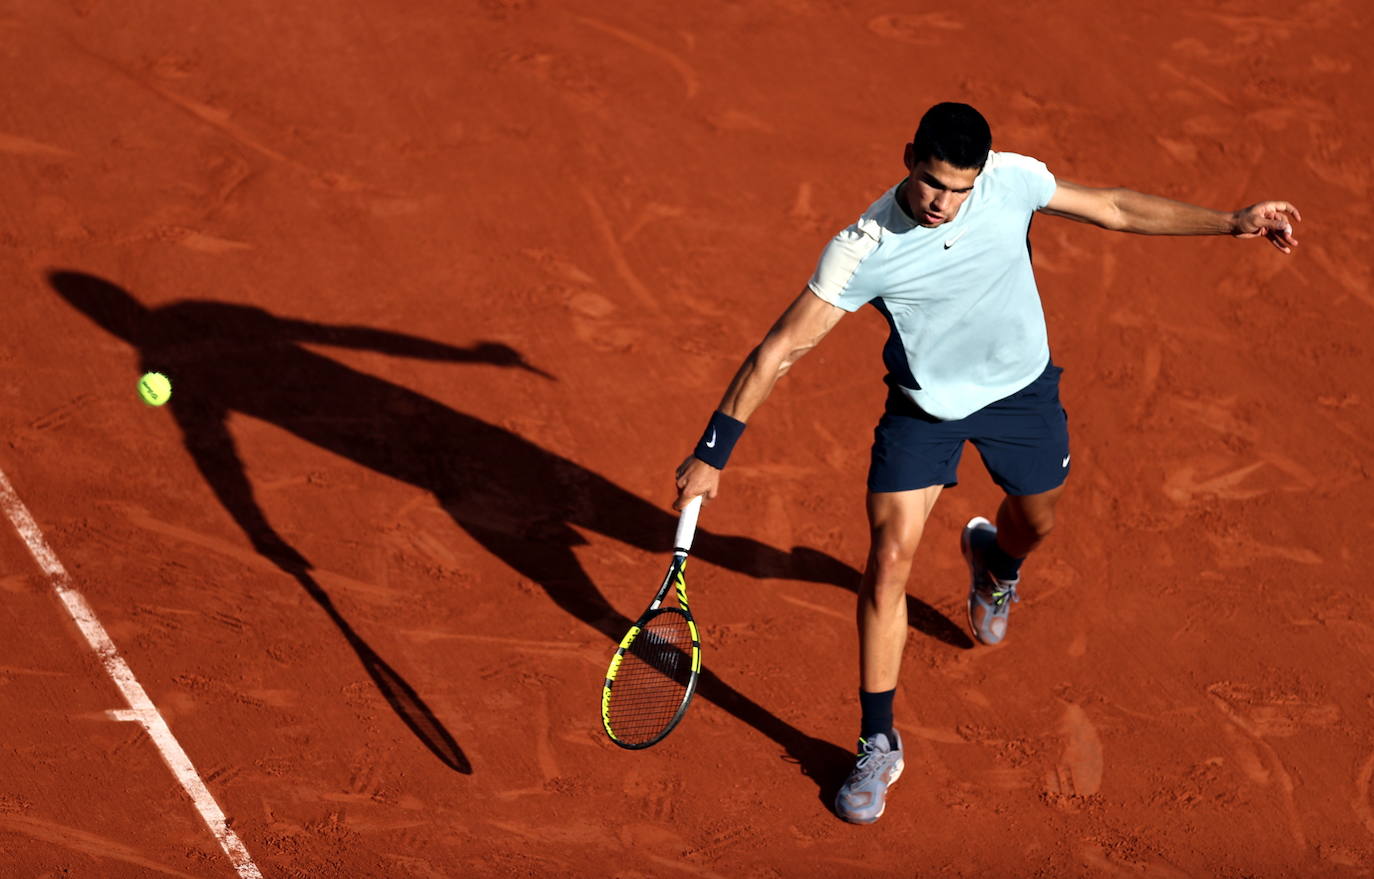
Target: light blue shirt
(966, 324)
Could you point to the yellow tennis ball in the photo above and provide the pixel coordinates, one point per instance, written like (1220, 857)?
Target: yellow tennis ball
(154, 388)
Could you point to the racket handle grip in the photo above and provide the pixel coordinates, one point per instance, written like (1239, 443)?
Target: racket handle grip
(687, 525)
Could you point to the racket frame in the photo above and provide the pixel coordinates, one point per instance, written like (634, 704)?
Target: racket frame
(676, 577)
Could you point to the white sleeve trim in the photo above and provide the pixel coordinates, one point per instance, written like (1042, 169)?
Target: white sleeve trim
(1043, 183)
(839, 263)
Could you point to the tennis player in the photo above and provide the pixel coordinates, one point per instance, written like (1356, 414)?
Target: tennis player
(944, 256)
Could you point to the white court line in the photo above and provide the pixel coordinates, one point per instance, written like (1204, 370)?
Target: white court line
(141, 709)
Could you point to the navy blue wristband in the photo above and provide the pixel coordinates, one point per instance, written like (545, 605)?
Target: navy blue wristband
(718, 440)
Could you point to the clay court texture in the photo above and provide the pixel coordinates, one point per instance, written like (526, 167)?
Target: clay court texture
(446, 291)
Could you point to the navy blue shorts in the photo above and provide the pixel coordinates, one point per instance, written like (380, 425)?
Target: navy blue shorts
(1023, 439)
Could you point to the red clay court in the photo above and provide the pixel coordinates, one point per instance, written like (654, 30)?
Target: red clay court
(447, 290)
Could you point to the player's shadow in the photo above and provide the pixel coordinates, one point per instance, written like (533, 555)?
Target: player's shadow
(521, 502)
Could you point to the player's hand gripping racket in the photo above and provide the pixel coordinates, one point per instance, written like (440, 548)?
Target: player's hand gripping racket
(654, 672)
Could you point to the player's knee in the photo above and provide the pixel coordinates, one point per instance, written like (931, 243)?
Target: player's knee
(892, 555)
(890, 560)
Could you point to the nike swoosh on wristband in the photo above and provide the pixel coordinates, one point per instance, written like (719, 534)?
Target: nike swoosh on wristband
(711, 444)
(949, 242)
(1066, 461)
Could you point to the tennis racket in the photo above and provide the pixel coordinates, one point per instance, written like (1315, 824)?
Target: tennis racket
(654, 671)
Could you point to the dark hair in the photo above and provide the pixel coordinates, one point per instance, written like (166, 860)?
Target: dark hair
(953, 133)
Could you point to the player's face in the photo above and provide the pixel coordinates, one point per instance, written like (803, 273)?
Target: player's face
(935, 189)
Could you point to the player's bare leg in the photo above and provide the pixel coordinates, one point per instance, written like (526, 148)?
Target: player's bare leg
(1024, 522)
(994, 556)
(896, 521)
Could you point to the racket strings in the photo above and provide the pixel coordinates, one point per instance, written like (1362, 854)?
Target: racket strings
(652, 680)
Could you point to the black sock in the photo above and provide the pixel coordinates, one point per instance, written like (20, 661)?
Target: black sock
(1002, 566)
(877, 714)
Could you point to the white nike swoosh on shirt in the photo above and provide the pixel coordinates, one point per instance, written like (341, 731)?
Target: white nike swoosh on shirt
(712, 443)
(949, 242)
(1066, 461)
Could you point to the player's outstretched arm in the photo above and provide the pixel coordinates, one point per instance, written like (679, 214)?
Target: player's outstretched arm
(1126, 210)
(800, 328)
